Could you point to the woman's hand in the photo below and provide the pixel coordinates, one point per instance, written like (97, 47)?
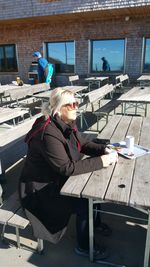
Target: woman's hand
(108, 150)
(109, 158)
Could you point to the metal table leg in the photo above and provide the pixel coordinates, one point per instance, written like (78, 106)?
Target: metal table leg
(147, 245)
(91, 239)
(91, 230)
(40, 246)
(17, 237)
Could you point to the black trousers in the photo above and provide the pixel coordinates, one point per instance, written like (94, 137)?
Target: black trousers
(80, 207)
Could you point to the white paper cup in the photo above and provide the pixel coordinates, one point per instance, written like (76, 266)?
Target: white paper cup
(130, 143)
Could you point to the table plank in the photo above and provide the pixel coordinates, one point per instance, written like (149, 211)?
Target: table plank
(144, 139)
(10, 114)
(121, 131)
(44, 95)
(101, 179)
(74, 185)
(111, 126)
(144, 78)
(136, 94)
(140, 196)
(19, 131)
(119, 188)
(96, 79)
(121, 182)
(135, 128)
(75, 88)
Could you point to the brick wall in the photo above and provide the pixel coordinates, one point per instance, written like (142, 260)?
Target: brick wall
(30, 36)
(32, 8)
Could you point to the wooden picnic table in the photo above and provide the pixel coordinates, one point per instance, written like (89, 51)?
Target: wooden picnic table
(7, 87)
(95, 80)
(18, 92)
(4, 91)
(125, 183)
(74, 88)
(136, 97)
(8, 114)
(44, 96)
(12, 145)
(144, 80)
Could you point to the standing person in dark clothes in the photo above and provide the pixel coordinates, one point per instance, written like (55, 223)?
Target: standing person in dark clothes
(55, 149)
(105, 65)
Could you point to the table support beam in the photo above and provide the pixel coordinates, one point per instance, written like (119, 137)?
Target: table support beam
(91, 229)
(147, 245)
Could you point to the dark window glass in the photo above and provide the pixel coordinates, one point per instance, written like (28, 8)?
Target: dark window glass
(61, 54)
(146, 65)
(8, 61)
(107, 55)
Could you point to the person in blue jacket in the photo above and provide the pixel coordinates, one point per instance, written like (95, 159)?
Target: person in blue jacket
(45, 69)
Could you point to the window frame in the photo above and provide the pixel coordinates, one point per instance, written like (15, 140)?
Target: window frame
(143, 56)
(74, 46)
(111, 71)
(15, 58)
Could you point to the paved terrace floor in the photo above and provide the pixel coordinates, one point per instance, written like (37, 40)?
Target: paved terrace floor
(126, 244)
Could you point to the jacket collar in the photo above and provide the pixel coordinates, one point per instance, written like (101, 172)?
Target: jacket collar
(66, 129)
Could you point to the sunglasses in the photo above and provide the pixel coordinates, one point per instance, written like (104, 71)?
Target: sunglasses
(71, 106)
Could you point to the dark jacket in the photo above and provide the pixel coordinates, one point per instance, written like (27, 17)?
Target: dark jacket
(106, 66)
(54, 153)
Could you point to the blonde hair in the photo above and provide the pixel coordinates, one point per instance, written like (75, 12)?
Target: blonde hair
(58, 98)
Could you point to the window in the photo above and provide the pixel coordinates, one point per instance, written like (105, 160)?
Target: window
(146, 65)
(107, 55)
(8, 61)
(61, 54)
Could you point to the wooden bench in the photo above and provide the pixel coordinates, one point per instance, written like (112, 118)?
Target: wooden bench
(96, 96)
(121, 83)
(105, 111)
(30, 104)
(11, 214)
(74, 78)
(92, 98)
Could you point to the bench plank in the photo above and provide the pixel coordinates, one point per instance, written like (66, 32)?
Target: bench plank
(73, 78)
(107, 108)
(10, 206)
(99, 93)
(19, 220)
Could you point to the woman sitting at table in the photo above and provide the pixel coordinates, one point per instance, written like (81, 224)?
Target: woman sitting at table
(55, 149)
